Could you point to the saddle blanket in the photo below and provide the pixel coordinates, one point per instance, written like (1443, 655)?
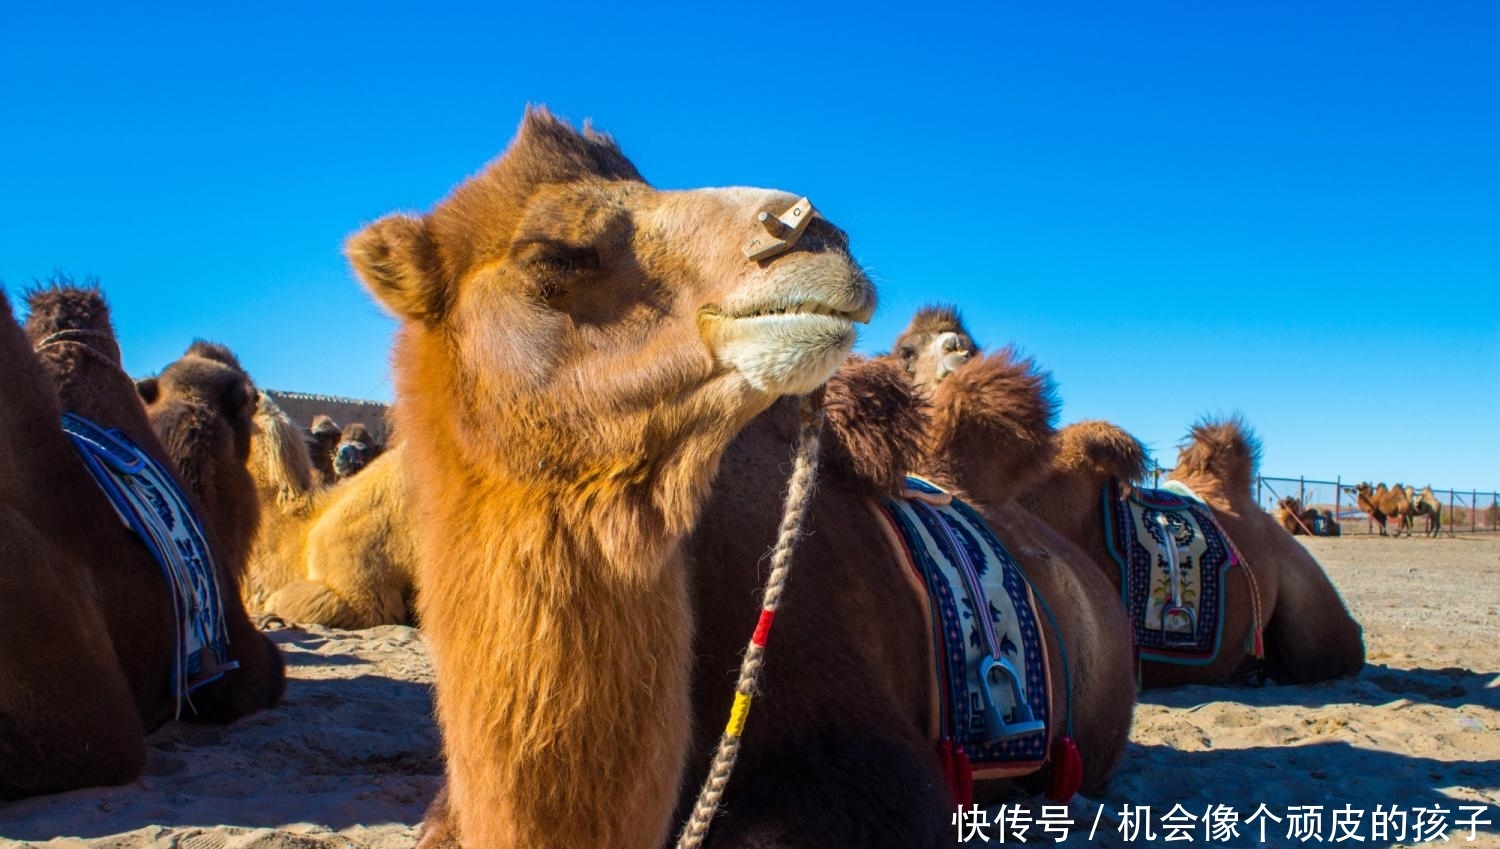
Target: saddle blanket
(147, 500)
(989, 664)
(1173, 557)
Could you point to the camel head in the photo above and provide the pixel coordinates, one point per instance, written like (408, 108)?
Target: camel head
(578, 324)
(355, 449)
(933, 345)
(202, 408)
(1219, 455)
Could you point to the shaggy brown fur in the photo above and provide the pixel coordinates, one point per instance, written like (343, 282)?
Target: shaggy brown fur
(87, 623)
(996, 412)
(576, 351)
(1310, 636)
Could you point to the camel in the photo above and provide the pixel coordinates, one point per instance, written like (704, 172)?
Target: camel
(1299, 520)
(1426, 504)
(576, 350)
(1381, 503)
(355, 449)
(88, 624)
(843, 728)
(846, 723)
(342, 556)
(323, 438)
(1309, 634)
(1295, 518)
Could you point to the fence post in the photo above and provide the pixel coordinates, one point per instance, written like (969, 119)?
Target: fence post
(1258, 500)
(1450, 512)
(1338, 492)
(1473, 509)
(1302, 490)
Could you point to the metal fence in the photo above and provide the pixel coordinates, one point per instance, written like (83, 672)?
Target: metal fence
(1464, 512)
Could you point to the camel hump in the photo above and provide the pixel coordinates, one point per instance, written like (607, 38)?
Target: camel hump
(875, 421)
(1103, 449)
(1226, 450)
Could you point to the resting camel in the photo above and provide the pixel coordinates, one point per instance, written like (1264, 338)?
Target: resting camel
(1381, 503)
(1299, 520)
(88, 626)
(844, 726)
(1309, 634)
(341, 556)
(576, 350)
(355, 449)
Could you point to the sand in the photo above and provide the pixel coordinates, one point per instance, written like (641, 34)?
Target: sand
(352, 756)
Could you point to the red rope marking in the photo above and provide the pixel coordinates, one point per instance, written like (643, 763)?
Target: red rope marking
(763, 628)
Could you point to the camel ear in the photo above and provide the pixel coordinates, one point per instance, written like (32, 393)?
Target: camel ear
(148, 389)
(397, 261)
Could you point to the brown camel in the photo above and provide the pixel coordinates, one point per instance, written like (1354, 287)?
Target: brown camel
(1426, 504)
(1381, 503)
(844, 726)
(341, 556)
(576, 351)
(1297, 520)
(846, 723)
(323, 438)
(1314, 638)
(201, 408)
(1309, 634)
(88, 621)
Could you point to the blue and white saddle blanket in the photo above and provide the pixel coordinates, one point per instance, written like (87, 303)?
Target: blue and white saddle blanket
(147, 500)
(1173, 560)
(991, 701)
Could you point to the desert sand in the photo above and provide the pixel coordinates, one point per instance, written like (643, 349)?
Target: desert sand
(352, 757)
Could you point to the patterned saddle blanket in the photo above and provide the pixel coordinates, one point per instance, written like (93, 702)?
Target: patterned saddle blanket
(989, 661)
(1173, 557)
(146, 498)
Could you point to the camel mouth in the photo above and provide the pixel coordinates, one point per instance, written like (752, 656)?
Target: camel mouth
(798, 309)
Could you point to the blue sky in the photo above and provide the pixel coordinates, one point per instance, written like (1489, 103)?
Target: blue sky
(1287, 210)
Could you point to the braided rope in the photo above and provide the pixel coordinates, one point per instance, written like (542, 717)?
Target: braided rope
(794, 512)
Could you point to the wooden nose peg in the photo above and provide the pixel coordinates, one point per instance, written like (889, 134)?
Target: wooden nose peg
(779, 233)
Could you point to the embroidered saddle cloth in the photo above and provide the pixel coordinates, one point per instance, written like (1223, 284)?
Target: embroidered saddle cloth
(989, 660)
(1173, 558)
(148, 502)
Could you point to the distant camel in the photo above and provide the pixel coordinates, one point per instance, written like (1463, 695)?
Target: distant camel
(1381, 503)
(1299, 520)
(1427, 504)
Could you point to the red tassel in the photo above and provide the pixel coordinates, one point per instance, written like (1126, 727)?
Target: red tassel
(958, 771)
(1067, 770)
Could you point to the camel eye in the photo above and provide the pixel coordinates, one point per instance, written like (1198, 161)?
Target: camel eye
(908, 353)
(555, 267)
